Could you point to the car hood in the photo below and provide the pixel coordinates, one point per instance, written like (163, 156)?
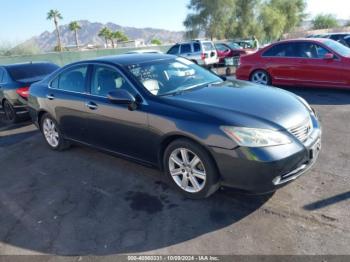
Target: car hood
(245, 104)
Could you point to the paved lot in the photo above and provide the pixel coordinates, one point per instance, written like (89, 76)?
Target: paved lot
(86, 202)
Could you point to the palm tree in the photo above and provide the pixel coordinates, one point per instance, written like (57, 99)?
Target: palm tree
(74, 26)
(111, 37)
(105, 33)
(55, 15)
(119, 36)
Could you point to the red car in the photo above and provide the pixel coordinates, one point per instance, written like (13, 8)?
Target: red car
(227, 50)
(299, 62)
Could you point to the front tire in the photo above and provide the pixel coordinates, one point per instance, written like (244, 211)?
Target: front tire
(190, 169)
(52, 133)
(261, 77)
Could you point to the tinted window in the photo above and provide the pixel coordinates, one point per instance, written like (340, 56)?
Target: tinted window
(309, 50)
(196, 47)
(21, 72)
(72, 80)
(106, 80)
(281, 50)
(174, 50)
(186, 48)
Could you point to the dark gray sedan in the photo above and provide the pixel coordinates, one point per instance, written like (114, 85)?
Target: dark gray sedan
(170, 113)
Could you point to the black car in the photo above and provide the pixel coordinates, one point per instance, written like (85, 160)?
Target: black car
(14, 87)
(172, 114)
(339, 37)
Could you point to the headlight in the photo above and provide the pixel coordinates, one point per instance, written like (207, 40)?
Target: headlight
(254, 137)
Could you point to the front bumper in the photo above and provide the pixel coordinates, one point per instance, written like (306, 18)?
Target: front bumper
(263, 170)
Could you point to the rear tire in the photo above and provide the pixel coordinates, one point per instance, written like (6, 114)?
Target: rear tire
(261, 77)
(190, 169)
(9, 113)
(52, 134)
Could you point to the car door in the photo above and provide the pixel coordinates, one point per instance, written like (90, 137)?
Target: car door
(315, 70)
(281, 63)
(186, 51)
(116, 127)
(66, 98)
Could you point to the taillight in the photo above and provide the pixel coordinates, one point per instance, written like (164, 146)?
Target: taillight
(202, 56)
(23, 92)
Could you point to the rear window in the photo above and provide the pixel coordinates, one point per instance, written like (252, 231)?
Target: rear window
(208, 46)
(20, 72)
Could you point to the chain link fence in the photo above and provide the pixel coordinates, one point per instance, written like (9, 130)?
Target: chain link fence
(63, 58)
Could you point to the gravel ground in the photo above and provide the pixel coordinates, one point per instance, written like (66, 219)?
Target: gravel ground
(81, 201)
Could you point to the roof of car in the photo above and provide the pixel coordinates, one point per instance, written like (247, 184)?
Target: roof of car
(316, 39)
(26, 63)
(130, 59)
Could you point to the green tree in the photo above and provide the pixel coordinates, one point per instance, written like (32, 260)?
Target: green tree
(246, 22)
(293, 10)
(208, 16)
(74, 27)
(156, 41)
(55, 15)
(105, 34)
(119, 37)
(273, 22)
(324, 21)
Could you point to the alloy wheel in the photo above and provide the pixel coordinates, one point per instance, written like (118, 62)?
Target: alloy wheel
(187, 170)
(50, 132)
(260, 77)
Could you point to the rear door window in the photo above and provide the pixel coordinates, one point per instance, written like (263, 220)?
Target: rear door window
(186, 48)
(281, 50)
(73, 80)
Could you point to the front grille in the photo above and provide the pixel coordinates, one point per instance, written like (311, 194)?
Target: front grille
(303, 130)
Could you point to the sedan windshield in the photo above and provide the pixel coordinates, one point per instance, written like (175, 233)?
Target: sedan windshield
(171, 76)
(337, 47)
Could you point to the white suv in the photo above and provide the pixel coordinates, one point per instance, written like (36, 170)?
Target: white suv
(199, 51)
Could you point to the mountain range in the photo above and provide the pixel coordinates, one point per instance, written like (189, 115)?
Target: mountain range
(88, 34)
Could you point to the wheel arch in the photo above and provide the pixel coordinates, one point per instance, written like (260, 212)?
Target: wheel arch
(260, 69)
(171, 138)
(40, 115)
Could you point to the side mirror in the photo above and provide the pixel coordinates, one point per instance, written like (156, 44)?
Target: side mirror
(121, 96)
(329, 56)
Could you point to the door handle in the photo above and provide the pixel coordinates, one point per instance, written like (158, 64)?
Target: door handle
(50, 97)
(91, 105)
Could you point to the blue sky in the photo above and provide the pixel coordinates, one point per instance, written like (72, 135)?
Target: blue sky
(21, 19)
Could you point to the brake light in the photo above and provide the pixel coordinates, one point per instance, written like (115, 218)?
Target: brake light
(204, 56)
(23, 92)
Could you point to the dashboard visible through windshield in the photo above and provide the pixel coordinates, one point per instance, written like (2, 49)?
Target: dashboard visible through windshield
(167, 77)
